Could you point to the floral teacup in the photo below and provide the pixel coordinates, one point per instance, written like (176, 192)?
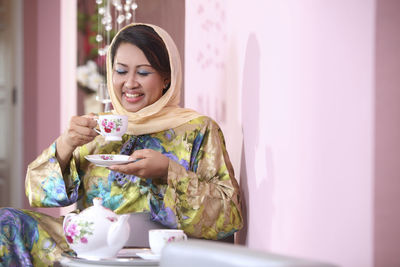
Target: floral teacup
(112, 127)
(158, 238)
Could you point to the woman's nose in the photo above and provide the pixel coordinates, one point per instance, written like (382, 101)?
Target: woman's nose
(131, 82)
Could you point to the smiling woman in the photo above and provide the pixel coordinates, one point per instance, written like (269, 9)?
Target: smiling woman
(183, 180)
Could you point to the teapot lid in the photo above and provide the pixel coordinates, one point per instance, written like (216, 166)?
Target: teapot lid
(98, 209)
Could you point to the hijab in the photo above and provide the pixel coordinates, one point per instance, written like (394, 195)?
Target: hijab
(163, 114)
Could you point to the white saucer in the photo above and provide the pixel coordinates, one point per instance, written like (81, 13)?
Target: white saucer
(105, 160)
(125, 257)
(131, 252)
(148, 255)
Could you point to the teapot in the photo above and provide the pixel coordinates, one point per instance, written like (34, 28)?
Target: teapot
(97, 232)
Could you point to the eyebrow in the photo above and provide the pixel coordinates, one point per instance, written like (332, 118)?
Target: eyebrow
(137, 66)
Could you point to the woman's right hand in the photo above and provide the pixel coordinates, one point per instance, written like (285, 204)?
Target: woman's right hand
(80, 131)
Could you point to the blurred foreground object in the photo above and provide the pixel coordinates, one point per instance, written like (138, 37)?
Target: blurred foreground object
(200, 253)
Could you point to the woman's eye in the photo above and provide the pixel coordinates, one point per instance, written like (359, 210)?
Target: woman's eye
(143, 72)
(120, 71)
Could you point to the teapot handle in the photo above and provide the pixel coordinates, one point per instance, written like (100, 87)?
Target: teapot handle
(119, 231)
(184, 237)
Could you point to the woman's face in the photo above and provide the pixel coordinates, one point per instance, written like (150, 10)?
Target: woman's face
(136, 83)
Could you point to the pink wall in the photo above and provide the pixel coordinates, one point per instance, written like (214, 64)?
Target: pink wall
(387, 134)
(48, 73)
(292, 86)
(41, 75)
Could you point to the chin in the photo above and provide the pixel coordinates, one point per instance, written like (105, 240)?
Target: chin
(135, 106)
(131, 108)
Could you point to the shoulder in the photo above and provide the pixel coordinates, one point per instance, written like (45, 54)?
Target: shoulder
(204, 121)
(207, 126)
(203, 125)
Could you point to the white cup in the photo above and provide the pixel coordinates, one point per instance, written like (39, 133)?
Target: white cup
(158, 238)
(112, 127)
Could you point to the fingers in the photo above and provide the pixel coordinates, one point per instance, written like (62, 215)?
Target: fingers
(135, 168)
(81, 130)
(142, 154)
(74, 139)
(152, 164)
(83, 125)
(77, 130)
(91, 115)
(84, 121)
(85, 131)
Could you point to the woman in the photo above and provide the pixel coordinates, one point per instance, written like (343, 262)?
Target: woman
(184, 177)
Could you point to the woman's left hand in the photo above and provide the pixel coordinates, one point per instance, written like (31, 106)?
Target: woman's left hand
(150, 164)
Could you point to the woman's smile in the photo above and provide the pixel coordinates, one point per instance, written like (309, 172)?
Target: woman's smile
(132, 97)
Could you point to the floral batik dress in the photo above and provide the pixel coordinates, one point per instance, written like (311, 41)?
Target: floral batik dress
(200, 196)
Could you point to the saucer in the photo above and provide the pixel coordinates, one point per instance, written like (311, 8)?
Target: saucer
(125, 257)
(148, 255)
(105, 160)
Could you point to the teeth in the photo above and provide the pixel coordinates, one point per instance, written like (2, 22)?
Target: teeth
(132, 95)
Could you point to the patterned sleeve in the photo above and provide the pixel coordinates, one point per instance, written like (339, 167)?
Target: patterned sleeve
(205, 198)
(45, 185)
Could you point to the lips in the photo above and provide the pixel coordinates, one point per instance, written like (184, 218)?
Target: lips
(133, 97)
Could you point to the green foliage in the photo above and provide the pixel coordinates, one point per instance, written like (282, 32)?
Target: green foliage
(88, 26)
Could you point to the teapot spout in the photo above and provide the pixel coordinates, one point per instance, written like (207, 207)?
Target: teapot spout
(118, 233)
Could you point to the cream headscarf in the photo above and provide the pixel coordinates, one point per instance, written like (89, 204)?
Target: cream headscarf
(165, 112)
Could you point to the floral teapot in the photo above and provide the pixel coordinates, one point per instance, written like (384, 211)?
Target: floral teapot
(96, 232)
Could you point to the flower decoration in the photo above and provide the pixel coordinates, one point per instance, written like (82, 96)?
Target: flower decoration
(78, 232)
(107, 157)
(88, 75)
(110, 125)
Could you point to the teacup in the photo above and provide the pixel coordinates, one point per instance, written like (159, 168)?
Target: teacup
(158, 238)
(112, 127)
